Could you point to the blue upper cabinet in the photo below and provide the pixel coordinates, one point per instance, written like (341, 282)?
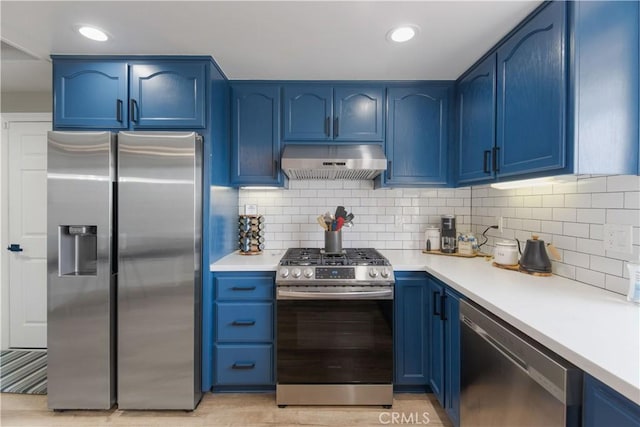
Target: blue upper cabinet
(476, 122)
(358, 114)
(604, 94)
(90, 94)
(255, 135)
(168, 95)
(322, 112)
(308, 113)
(531, 95)
(136, 94)
(417, 145)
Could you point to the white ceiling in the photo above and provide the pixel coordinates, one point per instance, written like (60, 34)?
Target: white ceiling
(288, 40)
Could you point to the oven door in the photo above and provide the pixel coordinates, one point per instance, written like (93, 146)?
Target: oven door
(329, 337)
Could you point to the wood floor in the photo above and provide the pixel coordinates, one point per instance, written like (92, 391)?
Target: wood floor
(246, 410)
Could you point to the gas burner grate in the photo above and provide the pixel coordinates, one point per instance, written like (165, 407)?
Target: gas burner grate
(315, 256)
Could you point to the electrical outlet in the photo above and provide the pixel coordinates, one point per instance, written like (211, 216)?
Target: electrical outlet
(500, 222)
(617, 238)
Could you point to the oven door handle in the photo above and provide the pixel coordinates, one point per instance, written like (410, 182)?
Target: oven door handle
(385, 294)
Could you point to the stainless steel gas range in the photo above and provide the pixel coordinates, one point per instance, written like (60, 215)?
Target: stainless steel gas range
(334, 328)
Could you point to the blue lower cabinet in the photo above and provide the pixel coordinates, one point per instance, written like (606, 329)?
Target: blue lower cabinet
(242, 337)
(604, 407)
(238, 364)
(444, 341)
(411, 331)
(244, 322)
(436, 340)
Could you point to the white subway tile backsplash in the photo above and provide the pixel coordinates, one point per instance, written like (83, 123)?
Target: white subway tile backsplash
(570, 215)
(623, 183)
(607, 200)
(606, 265)
(632, 200)
(576, 229)
(592, 185)
(565, 214)
(616, 284)
(553, 201)
(591, 277)
(624, 216)
(577, 200)
(593, 216)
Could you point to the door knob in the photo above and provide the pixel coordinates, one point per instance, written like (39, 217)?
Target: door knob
(14, 248)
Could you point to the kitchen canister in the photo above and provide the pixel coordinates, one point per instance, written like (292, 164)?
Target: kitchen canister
(506, 252)
(251, 234)
(432, 238)
(634, 282)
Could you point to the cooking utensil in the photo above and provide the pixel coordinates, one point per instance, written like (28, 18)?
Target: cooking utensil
(349, 217)
(339, 223)
(322, 223)
(341, 212)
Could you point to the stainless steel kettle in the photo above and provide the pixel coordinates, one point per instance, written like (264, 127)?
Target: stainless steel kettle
(534, 259)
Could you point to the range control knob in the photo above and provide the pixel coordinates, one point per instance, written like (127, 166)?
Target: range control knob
(385, 273)
(296, 273)
(373, 272)
(284, 272)
(308, 273)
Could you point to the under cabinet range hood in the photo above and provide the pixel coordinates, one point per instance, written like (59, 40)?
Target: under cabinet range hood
(349, 161)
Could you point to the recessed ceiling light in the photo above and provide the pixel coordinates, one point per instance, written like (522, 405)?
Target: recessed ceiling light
(403, 33)
(93, 33)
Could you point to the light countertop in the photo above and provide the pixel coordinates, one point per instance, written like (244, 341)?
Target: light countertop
(596, 330)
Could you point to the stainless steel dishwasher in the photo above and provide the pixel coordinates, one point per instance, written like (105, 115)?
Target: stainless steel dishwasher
(507, 379)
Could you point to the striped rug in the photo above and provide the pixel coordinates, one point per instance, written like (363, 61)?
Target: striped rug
(23, 371)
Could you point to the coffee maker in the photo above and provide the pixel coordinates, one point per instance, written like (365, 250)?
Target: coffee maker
(448, 234)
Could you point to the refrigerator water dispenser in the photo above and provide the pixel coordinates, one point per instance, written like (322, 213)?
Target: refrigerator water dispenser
(77, 246)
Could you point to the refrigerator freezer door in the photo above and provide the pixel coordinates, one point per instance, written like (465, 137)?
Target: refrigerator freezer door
(80, 275)
(159, 280)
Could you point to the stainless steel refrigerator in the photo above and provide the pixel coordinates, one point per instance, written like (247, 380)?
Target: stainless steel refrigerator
(124, 270)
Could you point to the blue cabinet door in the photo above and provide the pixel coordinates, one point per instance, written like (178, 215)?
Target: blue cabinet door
(531, 95)
(477, 122)
(436, 340)
(255, 135)
(604, 407)
(605, 91)
(90, 94)
(168, 95)
(308, 113)
(418, 134)
(358, 114)
(452, 355)
(411, 329)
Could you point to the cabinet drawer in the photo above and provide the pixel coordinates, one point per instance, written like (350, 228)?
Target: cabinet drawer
(244, 287)
(244, 322)
(244, 364)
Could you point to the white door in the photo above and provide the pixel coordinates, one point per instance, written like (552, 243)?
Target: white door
(28, 229)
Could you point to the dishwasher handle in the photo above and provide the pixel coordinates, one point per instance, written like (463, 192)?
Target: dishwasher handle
(495, 344)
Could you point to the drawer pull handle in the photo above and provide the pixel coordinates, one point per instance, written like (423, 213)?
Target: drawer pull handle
(243, 365)
(243, 322)
(243, 288)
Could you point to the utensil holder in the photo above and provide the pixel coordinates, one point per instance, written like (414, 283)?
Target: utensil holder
(250, 234)
(333, 242)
